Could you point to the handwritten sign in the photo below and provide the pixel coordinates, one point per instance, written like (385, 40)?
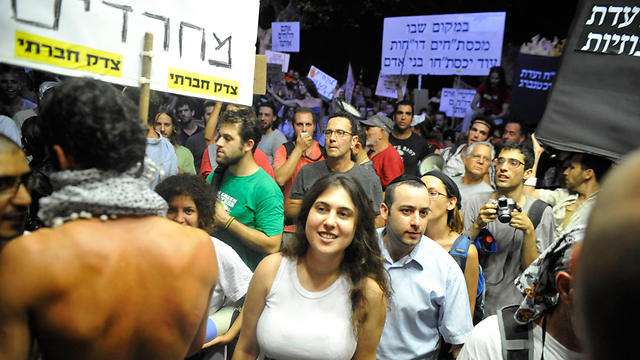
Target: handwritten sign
(454, 44)
(193, 40)
(456, 102)
(325, 83)
(274, 57)
(285, 36)
(387, 85)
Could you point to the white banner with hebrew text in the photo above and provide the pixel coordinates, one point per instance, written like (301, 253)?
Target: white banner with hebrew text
(200, 48)
(452, 44)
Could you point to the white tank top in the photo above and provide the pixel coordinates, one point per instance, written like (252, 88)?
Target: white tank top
(297, 324)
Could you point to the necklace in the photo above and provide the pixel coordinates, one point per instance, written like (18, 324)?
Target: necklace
(57, 221)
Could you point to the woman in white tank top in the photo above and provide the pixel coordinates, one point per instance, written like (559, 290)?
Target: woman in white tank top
(325, 296)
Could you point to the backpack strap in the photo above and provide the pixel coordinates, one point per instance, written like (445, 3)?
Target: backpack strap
(535, 212)
(460, 250)
(516, 339)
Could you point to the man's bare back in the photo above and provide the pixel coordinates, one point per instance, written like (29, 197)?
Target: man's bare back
(130, 288)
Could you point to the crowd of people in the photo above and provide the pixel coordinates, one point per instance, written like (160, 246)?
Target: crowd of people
(293, 229)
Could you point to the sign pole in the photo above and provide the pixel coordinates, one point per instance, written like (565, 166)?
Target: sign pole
(145, 80)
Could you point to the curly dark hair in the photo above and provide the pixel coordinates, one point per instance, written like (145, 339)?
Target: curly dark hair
(362, 258)
(94, 123)
(198, 190)
(249, 129)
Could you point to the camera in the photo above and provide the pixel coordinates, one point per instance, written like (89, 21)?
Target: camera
(505, 206)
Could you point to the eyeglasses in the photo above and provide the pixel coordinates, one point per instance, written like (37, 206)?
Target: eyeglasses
(511, 163)
(339, 133)
(9, 185)
(477, 157)
(433, 194)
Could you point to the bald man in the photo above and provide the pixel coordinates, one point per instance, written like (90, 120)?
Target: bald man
(112, 278)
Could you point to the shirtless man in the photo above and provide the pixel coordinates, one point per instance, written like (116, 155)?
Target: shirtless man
(111, 279)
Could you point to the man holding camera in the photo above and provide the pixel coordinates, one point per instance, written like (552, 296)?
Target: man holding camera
(519, 238)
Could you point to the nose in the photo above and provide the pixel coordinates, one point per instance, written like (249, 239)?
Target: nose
(179, 217)
(330, 220)
(22, 197)
(415, 220)
(566, 172)
(218, 143)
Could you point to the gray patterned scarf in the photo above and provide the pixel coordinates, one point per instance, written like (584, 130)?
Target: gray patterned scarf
(538, 282)
(100, 193)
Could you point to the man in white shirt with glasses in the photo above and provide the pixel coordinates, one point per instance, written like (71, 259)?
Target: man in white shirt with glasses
(518, 240)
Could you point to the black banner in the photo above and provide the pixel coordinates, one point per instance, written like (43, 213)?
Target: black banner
(594, 106)
(532, 80)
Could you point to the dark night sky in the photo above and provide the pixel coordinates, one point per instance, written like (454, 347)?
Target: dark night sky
(331, 47)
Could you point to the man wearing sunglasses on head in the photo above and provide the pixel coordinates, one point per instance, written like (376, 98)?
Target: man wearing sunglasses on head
(14, 197)
(520, 239)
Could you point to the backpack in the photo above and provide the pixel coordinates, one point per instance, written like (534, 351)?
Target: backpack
(516, 339)
(459, 251)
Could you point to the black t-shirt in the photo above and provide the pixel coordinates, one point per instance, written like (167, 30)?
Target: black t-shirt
(412, 150)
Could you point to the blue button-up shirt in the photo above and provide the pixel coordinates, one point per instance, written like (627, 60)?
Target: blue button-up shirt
(430, 299)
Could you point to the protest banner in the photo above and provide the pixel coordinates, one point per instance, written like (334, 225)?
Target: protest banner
(387, 85)
(456, 102)
(532, 80)
(349, 85)
(274, 57)
(275, 77)
(104, 40)
(285, 36)
(453, 44)
(325, 83)
(595, 99)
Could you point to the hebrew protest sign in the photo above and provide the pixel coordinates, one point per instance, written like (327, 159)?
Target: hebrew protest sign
(274, 57)
(285, 36)
(199, 49)
(325, 83)
(595, 99)
(387, 85)
(453, 44)
(532, 80)
(455, 102)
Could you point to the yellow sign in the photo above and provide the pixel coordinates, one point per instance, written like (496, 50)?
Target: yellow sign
(71, 56)
(203, 84)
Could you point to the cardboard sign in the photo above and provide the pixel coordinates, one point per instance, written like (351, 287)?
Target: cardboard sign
(198, 48)
(325, 83)
(274, 57)
(285, 36)
(453, 44)
(387, 85)
(456, 102)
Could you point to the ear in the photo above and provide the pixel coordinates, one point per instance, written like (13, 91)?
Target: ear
(384, 211)
(65, 161)
(452, 203)
(563, 284)
(354, 140)
(248, 145)
(528, 173)
(588, 174)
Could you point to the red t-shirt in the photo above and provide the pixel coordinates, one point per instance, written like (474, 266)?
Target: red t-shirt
(388, 164)
(281, 157)
(261, 159)
(491, 100)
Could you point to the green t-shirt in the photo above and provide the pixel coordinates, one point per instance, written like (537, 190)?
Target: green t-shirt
(257, 202)
(185, 160)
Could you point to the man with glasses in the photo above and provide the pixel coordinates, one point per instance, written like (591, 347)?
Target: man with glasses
(476, 165)
(455, 156)
(14, 197)
(519, 242)
(340, 138)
